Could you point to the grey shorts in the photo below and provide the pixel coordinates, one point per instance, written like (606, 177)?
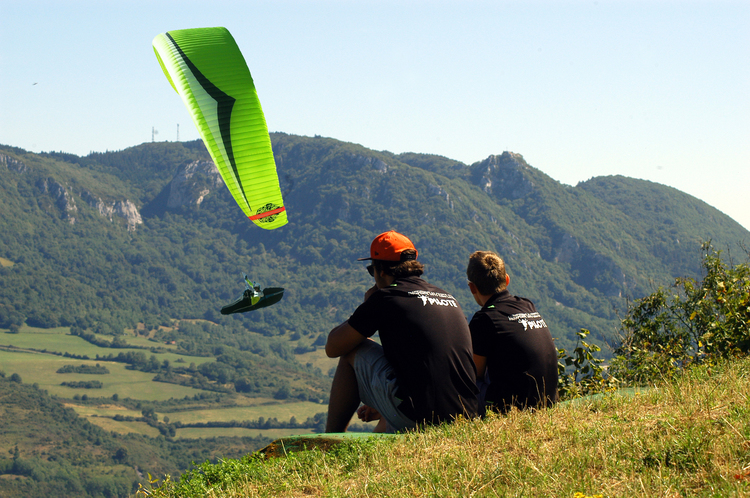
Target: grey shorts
(377, 385)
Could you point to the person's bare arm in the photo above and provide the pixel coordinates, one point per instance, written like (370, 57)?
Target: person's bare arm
(481, 363)
(342, 340)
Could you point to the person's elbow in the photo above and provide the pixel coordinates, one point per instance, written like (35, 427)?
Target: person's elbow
(333, 344)
(342, 340)
(331, 350)
(335, 350)
(480, 363)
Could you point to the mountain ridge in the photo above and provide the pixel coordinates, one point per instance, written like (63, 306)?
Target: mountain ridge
(578, 252)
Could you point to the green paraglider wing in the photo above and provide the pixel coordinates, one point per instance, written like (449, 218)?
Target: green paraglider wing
(206, 68)
(271, 295)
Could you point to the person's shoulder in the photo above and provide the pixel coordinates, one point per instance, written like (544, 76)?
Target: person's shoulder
(497, 300)
(527, 301)
(410, 283)
(504, 304)
(481, 316)
(428, 286)
(411, 280)
(508, 297)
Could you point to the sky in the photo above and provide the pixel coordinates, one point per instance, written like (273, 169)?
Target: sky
(655, 90)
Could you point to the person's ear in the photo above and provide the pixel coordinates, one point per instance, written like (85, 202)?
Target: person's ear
(507, 280)
(473, 288)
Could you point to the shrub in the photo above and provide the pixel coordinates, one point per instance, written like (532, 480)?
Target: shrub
(693, 322)
(588, 376)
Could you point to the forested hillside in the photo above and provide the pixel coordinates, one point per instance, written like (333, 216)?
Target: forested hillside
(150, 234)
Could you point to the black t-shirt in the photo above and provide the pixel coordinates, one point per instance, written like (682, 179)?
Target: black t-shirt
(521, 356)
(426, 339)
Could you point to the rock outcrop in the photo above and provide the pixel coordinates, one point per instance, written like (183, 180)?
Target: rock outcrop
(13, 164)
(62, 197)
(503, 176)
(125, 209)
(372, 162)
(192, 183)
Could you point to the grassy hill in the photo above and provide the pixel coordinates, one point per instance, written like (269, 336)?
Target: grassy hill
(690, 437)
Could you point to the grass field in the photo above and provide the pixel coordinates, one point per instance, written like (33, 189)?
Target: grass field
(41, 368)
(139, 341)
(318, 359)
(687, 437)
(37, 330)
(191, 433)
(125, 427)
(59, 340)
(6, 262)
(55, 340)
(282, 412)
(102, 416)
(103, 410)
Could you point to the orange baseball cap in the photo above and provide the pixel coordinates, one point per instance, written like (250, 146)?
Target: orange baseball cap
(388, 246)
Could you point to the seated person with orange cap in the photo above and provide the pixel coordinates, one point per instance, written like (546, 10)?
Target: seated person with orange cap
(423, 373)
(514, 353)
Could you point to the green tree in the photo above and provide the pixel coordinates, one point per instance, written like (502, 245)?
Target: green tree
(149, 413)
(283, 392)
(121, 455)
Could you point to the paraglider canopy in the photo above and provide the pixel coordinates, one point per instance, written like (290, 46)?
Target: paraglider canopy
(207, 69)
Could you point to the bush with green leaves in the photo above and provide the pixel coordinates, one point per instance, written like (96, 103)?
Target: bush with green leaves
(587, 375)
(692, 322)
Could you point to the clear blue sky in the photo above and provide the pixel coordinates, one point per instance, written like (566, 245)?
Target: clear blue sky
(658, 90)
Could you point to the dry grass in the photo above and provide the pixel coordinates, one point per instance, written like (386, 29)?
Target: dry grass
(689, 438)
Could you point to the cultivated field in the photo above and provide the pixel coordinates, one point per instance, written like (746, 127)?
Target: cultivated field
(318, 359)
(42, 369)
(192, 433)
(23, 354)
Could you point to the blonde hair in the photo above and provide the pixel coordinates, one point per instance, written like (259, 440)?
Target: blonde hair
(487, 271)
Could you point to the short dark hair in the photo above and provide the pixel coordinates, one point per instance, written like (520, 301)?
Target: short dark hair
(487, 271)
(407, 267)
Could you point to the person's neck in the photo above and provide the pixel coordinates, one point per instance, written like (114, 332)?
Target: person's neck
(483, 298)
(385, 280)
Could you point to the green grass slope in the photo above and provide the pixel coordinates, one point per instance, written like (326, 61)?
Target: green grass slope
(686, 438)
